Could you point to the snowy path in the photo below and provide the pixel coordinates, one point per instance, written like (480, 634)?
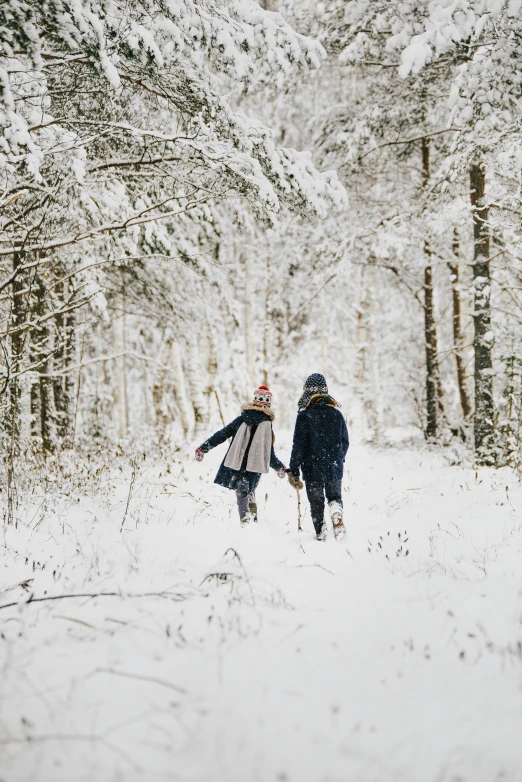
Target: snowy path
(306, 662)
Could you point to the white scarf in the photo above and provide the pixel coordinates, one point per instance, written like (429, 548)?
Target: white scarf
(259, 451)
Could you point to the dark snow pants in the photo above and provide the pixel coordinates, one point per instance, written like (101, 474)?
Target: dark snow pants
(246, 503)
(316, 491)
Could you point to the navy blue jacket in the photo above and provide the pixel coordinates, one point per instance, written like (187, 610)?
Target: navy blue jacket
(240, 479)
(320, 442)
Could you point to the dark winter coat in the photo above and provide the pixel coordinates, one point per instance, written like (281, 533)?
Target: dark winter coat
(241, 479)
(320, 441)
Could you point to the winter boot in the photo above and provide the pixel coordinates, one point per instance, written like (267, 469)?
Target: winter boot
(252, 507)
(320, 529)
(336, 514)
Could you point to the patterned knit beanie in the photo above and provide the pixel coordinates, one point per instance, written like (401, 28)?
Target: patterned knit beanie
(263, 396)
(314, 384)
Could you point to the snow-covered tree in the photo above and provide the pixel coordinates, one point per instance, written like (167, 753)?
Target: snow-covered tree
(120, 138)
(417, 125)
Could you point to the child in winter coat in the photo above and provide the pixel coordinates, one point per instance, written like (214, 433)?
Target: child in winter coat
(319, 449)
(250, 453)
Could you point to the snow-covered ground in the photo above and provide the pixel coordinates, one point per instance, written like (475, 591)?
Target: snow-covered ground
(258, 654)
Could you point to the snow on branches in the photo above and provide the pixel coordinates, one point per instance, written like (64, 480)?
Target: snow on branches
(98, 87)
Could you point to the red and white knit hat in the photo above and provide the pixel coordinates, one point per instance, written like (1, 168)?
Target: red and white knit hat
(263, 396)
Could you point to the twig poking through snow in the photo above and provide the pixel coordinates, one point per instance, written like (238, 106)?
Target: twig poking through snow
(131, 484)
(140, 677)
(32, 599)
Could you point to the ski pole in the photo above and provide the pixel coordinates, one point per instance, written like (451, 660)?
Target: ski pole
(299, 528)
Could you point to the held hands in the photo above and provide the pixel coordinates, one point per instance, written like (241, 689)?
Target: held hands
(199, 455)
(294, 481)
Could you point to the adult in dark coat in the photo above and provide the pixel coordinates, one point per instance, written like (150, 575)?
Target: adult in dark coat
(241, 480)
(319, 449)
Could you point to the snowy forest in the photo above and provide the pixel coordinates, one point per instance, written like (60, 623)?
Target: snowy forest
(199, 197)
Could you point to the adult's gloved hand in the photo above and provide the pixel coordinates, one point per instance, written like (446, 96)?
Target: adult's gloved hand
(281, 472)
(294, 481)
(199, 455)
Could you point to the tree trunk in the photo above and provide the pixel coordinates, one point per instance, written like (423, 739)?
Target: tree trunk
(195, 382)
(170, 356)
(431, 354)
(120, 340)
(457, 329)
(63, 385)
(47, 409)
(69, 390)
(378, 412)
(430, 330)
(249, 319)
(18, 315)
(41, 337)
(34, 401)
(483, 337)
(74, 415)
(322, 306)
(212, 367)
(367, 374)
(180, 390)
(162, 414)
(266, 326)
(17, 341)
(35, 410)
(59, 354)
(361, 352)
